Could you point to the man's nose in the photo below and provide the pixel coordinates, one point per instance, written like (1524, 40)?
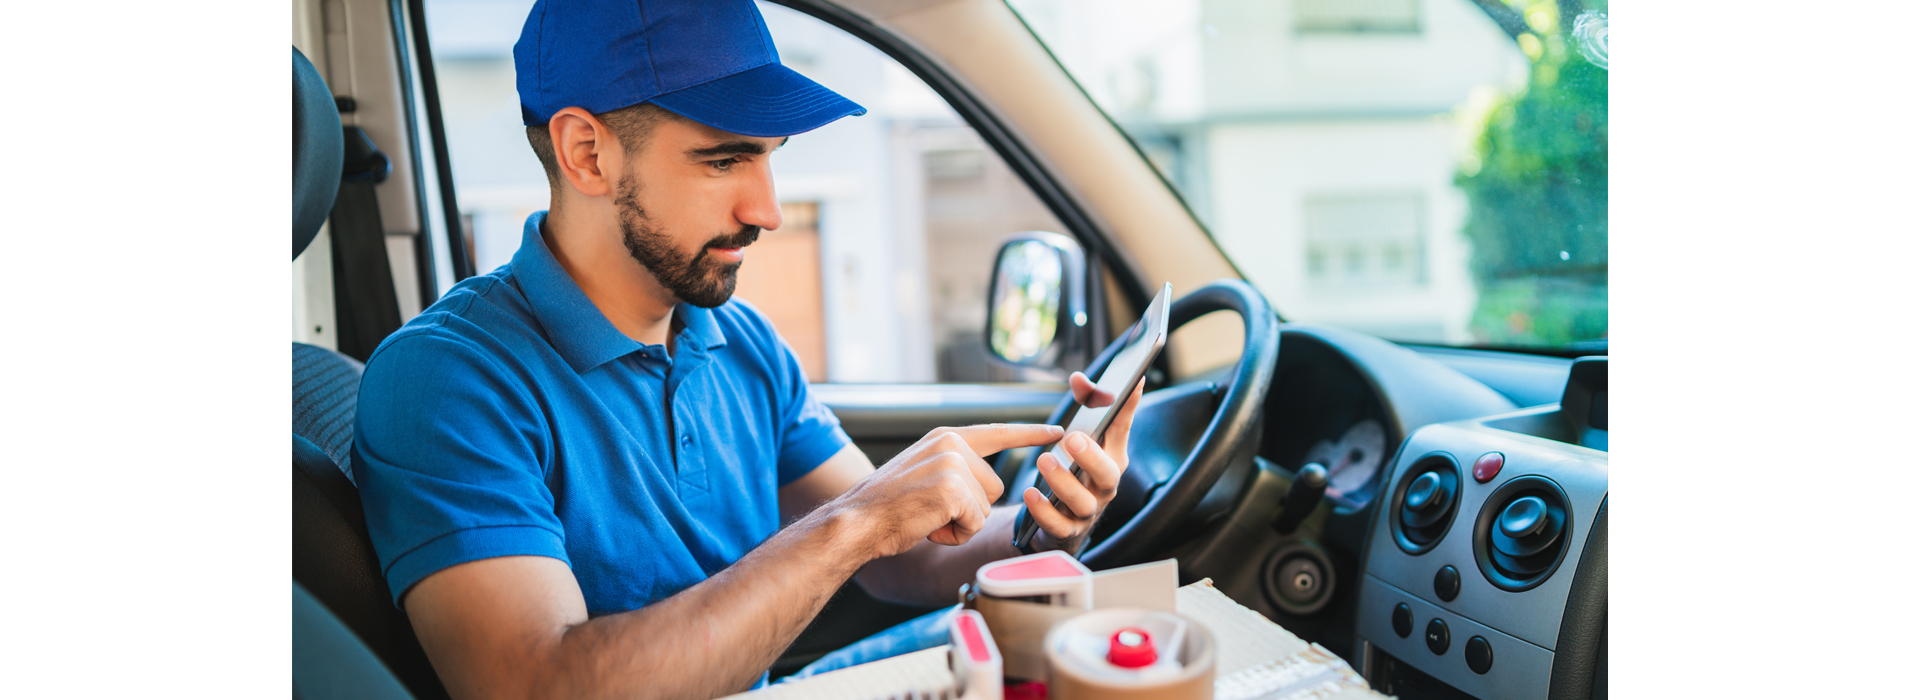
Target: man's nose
(758, 205)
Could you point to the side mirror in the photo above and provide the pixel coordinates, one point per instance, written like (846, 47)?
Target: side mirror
(1038, 313)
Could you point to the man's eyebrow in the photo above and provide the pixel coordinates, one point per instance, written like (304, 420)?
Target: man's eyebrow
(732, 148)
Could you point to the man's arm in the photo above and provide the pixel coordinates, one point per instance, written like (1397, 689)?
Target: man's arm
(518, 626)
(931, 575)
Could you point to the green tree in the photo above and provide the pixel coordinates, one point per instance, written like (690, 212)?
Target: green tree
(1537, 186)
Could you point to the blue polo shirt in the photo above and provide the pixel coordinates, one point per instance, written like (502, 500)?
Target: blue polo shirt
(512, 418)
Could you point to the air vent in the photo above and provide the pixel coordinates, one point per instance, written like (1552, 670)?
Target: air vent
(1424, 502)
(1522, 533)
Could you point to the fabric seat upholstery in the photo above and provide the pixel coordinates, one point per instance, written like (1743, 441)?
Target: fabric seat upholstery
(333, 557)
(326, 387)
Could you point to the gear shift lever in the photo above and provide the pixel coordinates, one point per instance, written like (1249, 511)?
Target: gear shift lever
(1309, 484)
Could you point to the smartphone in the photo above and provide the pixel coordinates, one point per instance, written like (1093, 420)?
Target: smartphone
(1143, 343)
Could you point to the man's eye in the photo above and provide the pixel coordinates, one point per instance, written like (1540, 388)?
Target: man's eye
(725, 164)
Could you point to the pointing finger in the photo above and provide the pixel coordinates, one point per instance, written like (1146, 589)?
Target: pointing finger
(994, 437)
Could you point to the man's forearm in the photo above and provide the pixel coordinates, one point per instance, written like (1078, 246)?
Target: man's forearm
(718, 636)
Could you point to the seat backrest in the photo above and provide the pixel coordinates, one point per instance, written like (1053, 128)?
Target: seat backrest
(333, 556)
(330, 662)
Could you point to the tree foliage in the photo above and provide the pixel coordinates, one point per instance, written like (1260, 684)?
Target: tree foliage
(1537, 186)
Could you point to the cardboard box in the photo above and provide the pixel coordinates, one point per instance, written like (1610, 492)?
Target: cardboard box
(1257, 660)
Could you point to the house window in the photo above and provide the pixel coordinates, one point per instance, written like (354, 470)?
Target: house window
(1357, 16)
(1370, 240)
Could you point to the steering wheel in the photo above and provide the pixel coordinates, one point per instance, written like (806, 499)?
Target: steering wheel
(1184, 436)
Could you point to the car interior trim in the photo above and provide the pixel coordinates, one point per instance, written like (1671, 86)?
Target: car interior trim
(429, 95)
(1520, 667)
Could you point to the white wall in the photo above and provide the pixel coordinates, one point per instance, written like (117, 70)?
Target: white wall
(1262, 175)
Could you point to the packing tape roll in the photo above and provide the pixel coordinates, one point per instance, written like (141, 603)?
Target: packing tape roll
(1020, 630)
(1072, 677)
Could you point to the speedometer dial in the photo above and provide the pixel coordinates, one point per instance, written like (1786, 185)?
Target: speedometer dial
(1351, 460)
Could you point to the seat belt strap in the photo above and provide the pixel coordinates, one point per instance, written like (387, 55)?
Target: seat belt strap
(366, 307)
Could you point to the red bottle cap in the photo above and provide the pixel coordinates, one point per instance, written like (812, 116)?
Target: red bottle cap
(1131, 647)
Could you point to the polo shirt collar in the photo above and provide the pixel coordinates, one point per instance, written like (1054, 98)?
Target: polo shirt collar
(579, 332)
(700, 330)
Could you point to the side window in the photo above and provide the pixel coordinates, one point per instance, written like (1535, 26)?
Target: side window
(891, 220)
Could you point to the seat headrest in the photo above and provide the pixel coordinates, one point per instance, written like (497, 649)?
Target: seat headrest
(318, 147)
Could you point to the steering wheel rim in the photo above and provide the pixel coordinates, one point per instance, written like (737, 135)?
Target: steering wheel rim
(1235, 419)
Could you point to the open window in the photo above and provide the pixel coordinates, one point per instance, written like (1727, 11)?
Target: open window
(880, 272)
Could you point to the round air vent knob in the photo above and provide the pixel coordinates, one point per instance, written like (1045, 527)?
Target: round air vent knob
(1428, 500)
(1522, 517)
(1527, 526)
(1421, 491)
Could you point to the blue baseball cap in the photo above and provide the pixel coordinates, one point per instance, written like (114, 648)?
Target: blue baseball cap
(711, 61)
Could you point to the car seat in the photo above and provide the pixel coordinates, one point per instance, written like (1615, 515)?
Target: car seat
(333, 557)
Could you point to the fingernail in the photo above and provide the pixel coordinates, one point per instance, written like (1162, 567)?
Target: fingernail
(1056, 430)
(1077, 443)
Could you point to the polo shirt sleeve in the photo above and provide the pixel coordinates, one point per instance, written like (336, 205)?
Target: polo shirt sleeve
(448, 448)
(809, 432)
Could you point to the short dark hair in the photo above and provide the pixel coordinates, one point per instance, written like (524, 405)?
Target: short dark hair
(633, 125)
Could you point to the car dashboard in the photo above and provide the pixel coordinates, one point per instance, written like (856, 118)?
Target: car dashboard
(1460, 549)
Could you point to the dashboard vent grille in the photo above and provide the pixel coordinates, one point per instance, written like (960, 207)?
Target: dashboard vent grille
(1522, 533)
(1424, 502)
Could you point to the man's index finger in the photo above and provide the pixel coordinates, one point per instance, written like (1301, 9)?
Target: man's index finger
(993, 437)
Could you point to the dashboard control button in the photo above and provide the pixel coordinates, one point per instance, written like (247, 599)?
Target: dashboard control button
(1488, 466)
(1437, 636)
(1523, 517)
(1479, 655)
(1423, 490)
(1402, 620)
(1446, 583)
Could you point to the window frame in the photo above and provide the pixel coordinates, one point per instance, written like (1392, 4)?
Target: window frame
(996, 135)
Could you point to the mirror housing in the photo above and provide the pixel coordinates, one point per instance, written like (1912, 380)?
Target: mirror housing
(1039, 313)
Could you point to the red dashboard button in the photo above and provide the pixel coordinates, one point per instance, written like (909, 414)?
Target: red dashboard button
(1488, 466)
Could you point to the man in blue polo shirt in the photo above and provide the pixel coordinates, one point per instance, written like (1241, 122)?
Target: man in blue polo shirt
(576, 468)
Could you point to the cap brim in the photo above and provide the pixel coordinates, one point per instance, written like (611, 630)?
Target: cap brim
(771, 100)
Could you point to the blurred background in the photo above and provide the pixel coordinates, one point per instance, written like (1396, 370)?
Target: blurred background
(1430, 171)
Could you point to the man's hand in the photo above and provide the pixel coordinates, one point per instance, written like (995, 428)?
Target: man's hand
(940, 489)
(1102, 465)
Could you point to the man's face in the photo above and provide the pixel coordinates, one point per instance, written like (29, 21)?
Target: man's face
(691, 202)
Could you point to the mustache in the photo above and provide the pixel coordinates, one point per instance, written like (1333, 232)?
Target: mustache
(738, 239)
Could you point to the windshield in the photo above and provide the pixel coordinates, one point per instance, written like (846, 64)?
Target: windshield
(1429, 171)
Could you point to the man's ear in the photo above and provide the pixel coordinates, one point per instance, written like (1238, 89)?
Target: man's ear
(586, 151)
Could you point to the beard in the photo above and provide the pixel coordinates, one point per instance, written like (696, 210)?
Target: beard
(696, 279)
